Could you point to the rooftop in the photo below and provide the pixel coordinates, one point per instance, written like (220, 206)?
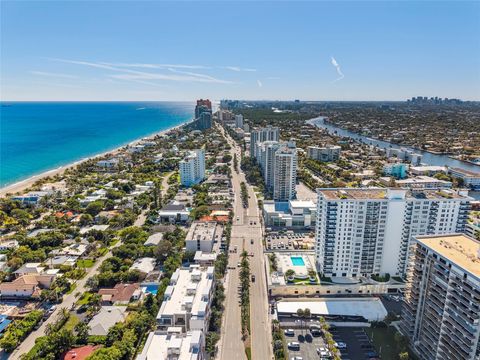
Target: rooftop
(457, 248)
(145, 265)
(106, 318)
(154, 239)
(80, 353)
(202, 230)
(371, 309)
(188, 291)
(160, 345)
(353, 194)
(465, 172)
(392, 193)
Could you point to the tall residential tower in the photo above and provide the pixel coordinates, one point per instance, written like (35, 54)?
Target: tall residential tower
(364, 232)
(441, 311)
(192, 168)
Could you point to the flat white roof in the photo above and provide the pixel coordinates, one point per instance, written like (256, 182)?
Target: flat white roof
(371, 309)
(185, 289)
(145, 264)
(159, 343)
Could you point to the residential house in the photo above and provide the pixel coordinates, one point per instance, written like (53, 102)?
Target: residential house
(106, 318)
(121, 294)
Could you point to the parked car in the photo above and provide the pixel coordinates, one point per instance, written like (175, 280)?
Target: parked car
(289, 332)
(297, 358)
(293, 345)
(340, 345)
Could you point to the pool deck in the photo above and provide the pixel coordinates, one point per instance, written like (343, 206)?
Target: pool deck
(286, 262)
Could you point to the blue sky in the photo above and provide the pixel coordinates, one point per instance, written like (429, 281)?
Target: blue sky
(121, 50)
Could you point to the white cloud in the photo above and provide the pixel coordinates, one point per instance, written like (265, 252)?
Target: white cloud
(238, 69)
(135, 75)
(259, 83)
(57, 75)
(156, 66)
(339, 71)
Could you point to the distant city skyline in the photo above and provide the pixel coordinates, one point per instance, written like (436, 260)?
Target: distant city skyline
(352, 51)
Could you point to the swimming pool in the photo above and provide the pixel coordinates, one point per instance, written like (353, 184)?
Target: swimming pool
(297, 261)
(152, 289)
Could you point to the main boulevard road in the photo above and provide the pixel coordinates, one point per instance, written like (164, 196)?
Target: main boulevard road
(245, 230)
(70, 299)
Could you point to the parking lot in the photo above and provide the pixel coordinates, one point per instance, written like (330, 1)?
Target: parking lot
(308, 344)
(358, 344)
(290, 240)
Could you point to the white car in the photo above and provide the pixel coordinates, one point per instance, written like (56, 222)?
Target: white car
(289, 332)
(294, 345)
(340, 345)
(323, 352)
(297, 358)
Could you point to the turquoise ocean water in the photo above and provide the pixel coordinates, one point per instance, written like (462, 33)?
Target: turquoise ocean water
(40, 136)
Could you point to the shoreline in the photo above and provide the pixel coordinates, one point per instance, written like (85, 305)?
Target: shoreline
(22, 185)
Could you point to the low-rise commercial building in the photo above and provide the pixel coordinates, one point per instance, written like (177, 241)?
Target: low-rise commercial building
(202, 235)
(441, 312)
(289, 214)
(187, 299)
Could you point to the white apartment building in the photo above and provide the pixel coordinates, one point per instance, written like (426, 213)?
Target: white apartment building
(360, 232)
(268, 133)
(266, 159)
(423, 182)
(441, 310)
(186, 302)
(192, 168)
(239, 121)
(470, 179)
(405, 154)
(427, 170)
(202, 235)
(285, 172)
(326, 153)
(173, 344)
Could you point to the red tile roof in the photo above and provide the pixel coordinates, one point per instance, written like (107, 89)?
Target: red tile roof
(121, 292)
(80, 353)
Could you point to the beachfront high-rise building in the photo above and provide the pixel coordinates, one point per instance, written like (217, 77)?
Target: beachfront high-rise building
(192, 168)
(202, 105)
(285, 172)
(441, 310)
(364, 232)
(239, 121)
(204, 120)
(268, 133)
(203, 115)
(326, 153)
